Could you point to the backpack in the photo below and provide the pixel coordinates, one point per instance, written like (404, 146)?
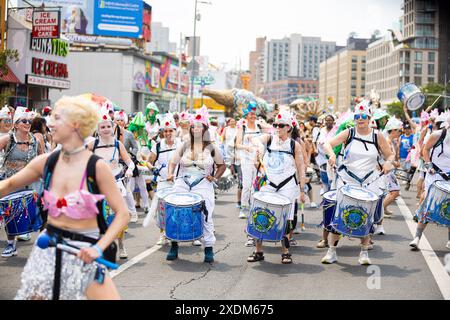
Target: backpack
(440, 142)
(110, 252)
(351, 137)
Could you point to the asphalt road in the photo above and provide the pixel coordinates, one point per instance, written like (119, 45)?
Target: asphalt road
(397, 273)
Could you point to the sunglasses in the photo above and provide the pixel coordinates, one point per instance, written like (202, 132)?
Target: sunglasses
(168, 131)
(7, 120)
(280, 125)
(361, 116)
(24, 121)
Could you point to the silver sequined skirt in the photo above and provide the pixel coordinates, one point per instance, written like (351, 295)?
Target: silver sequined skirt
(39, 272)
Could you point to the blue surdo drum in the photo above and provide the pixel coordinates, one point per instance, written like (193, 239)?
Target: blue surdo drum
(355, 210)
(268, 216)
(329, 206)
(410, 94)
(184, 216)
(21, 213)
(437, 204)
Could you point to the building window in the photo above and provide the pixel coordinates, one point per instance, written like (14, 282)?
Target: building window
(430, 80)
(431, 69)
(418, 56)
(417, 68)
(431, 56)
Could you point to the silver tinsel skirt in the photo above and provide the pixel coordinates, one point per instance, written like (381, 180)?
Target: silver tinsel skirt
(39, 272)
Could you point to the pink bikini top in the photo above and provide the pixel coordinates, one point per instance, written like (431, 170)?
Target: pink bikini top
(77, 205)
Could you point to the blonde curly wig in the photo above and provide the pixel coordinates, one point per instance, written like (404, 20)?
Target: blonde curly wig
(80, 110)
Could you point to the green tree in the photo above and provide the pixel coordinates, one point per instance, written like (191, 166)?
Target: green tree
(432, 92)
(396, 109)
(6, 56)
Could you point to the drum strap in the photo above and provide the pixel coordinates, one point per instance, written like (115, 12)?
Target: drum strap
(205, 211)
(57, 279)
(191, 185)
(444, 175)
(283, 183)
(351, 174)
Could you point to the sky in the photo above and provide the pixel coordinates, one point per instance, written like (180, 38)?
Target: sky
(229, 28)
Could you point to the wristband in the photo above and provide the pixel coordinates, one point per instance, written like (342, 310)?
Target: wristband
(99, 250)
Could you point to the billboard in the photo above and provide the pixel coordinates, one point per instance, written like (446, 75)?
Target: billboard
(116, 18)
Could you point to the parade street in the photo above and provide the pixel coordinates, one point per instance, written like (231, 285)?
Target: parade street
(396, 271)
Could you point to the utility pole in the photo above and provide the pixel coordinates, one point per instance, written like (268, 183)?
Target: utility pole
(193, 73)
(2, 24)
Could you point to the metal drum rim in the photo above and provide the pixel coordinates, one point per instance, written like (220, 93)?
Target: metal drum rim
(289, 202)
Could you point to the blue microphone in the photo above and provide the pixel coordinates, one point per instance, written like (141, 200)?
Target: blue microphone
(45, 240)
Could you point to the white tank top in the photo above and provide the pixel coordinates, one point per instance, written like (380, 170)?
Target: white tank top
(359, 160)
(279, 165)
(165, 157)
(442, 160)
(249, 157)
(230, 135)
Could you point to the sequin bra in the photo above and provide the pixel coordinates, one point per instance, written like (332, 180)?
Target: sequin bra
(77, 205)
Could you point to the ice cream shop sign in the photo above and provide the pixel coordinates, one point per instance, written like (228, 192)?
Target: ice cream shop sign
(48, 73)
(46, 24)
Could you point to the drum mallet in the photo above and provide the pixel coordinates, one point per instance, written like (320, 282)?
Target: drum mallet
(44, 241)
(302, 207)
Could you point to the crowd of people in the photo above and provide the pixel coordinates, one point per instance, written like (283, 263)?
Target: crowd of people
(91, 167)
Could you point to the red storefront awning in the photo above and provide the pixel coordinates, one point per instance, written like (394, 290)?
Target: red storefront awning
(9, 77)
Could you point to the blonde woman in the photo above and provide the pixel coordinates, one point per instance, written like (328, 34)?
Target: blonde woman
(72, 212)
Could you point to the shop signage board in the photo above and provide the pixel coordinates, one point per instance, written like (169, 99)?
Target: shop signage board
(46, 24)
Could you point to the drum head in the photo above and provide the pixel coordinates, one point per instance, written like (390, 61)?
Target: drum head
(183, 199)
(415, 101)
(358, 193)
(272, 198)
(330, 195)
(443, 185)
(161, 194)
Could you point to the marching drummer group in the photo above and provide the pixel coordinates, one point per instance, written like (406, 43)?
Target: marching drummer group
(82, 205)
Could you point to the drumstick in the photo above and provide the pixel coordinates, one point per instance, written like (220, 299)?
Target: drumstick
(302, 207)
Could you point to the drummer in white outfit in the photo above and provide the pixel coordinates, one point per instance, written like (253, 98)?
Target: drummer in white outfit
(197, 158)
(360, 162)
(436, 154)
(112, 150)
(284, 167)
(160, 156)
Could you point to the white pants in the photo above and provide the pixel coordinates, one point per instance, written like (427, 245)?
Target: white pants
(142, 189)
(248, 176)
(206, 190)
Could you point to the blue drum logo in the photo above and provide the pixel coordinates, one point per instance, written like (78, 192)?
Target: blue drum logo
(263, 219)
(445, 210)
(354, 217)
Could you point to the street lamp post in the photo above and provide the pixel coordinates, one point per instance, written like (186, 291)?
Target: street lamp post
(193, 73)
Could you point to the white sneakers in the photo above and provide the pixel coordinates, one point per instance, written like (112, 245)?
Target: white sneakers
(123, 253)
(364, 258)
(330, 257)
(313, 205)
(379, 230)
(448, 245)
(243, 212)
(162, 240)
(196, 243)
(134, 217)
(250, 242)
(415, 243)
